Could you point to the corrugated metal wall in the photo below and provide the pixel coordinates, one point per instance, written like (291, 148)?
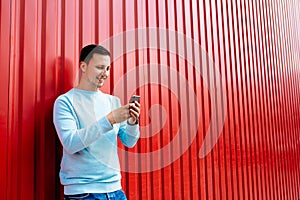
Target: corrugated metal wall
(254, 46)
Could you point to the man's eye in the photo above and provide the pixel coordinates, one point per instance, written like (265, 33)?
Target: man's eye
(108, 68)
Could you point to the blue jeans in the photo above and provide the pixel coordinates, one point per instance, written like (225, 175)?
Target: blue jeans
(117, 195)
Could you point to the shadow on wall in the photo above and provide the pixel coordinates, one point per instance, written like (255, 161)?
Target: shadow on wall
(48, 148)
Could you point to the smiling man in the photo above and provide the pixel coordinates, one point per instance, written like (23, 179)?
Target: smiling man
(88, 123)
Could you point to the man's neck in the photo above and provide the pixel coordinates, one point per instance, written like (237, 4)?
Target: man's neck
(87, 87)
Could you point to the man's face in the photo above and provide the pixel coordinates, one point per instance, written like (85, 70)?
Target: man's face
(97, 71)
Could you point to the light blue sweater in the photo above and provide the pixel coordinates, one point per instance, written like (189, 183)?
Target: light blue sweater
(90, 162)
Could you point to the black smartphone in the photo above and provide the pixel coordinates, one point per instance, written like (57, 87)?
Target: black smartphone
(134, 98)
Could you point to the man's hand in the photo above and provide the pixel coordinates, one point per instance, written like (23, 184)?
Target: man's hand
(131, 110)
(119, 115)
(134, 111)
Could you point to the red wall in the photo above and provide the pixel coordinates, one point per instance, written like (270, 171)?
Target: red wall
(250, 110)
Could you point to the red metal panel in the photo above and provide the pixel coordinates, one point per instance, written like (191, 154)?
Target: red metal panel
(5, 7)
(254, 46)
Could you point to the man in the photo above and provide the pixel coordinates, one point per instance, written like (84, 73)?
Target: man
(88, 122)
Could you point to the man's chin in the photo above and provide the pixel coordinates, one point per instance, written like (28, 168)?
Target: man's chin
(100, 85)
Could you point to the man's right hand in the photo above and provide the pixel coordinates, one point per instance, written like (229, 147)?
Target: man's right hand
(119, 115)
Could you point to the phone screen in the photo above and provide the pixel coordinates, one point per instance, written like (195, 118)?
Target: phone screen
(134, 98)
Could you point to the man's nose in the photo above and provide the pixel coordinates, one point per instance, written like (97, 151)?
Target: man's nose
(104, 72)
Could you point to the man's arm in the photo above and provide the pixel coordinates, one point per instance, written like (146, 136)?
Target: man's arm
(129, 131)
(73, 139)
(129, 134)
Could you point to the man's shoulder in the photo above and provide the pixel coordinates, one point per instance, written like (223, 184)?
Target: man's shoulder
(113, 100)
(66, 96)
(110, 96)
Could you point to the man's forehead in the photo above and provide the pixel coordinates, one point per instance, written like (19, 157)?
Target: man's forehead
(102, 58)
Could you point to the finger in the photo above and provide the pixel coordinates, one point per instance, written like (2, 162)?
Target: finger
(133, 116)
(137, 104)
(134, 113)
(136, 109)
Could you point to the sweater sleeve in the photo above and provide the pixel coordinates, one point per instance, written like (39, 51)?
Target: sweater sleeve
(129, 134)
(73, 139)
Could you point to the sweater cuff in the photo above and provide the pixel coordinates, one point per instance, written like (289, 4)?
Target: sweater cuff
(136, 122)
(105, 124)
(133, 130)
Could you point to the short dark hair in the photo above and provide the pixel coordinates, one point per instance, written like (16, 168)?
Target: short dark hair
(87, 52)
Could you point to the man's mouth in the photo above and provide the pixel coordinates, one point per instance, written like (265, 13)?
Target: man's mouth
(101, 80)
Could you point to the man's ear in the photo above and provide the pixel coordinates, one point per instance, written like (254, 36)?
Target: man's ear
(83, 66)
